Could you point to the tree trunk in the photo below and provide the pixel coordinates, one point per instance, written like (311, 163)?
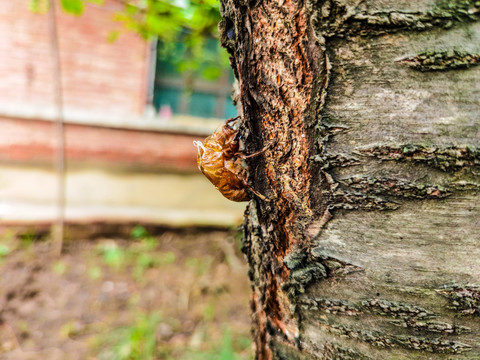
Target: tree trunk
(367, 246)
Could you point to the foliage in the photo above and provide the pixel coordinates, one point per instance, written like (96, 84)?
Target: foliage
(184, 30)
(74, 7)
(191, 23)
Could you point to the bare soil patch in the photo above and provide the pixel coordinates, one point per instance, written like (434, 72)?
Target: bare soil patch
(176, 295)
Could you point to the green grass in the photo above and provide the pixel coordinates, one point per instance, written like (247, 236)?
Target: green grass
(139, 342)
(135, 342)
(4, 250)
(137, 255)
(226, 350)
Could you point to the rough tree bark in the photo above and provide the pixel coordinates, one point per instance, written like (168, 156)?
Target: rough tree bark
(368, 244)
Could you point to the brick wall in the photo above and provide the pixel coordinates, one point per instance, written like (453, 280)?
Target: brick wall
(104, 84)
(34, 143)
(116, 169)
(102, 78)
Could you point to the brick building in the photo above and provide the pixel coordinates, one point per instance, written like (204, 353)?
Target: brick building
(116, 144)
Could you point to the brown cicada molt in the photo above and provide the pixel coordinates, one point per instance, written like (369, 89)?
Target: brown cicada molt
(220, 161)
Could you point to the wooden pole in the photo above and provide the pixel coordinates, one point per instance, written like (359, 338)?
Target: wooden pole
(58, 228)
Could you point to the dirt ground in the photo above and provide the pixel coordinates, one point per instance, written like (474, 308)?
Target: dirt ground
(176, 295)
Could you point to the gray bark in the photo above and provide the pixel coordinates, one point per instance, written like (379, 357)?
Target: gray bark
(367, 246)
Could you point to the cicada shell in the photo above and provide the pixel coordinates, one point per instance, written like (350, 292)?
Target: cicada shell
(218, 159)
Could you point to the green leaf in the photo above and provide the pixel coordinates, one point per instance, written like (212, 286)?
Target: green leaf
(112, 254)
(212, 73)
(4, 250)
(138, 232)
(113, 35)
(39, 6)
(74, 7)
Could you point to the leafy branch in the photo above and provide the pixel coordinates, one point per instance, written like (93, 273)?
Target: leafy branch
(192, 23)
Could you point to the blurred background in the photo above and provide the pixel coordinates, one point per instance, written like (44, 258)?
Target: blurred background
(100, 102)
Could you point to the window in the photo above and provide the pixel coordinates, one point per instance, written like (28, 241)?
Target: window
(204, 92)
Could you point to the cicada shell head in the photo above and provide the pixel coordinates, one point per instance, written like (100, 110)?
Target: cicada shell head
(200, 152)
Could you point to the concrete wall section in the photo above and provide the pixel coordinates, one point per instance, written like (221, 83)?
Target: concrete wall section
(28, 195)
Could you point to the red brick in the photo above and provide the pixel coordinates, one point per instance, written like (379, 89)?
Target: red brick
(34, 141)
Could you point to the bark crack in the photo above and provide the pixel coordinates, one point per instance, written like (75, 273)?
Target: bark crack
(445, 158)
(441, 60)
(336, 19)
